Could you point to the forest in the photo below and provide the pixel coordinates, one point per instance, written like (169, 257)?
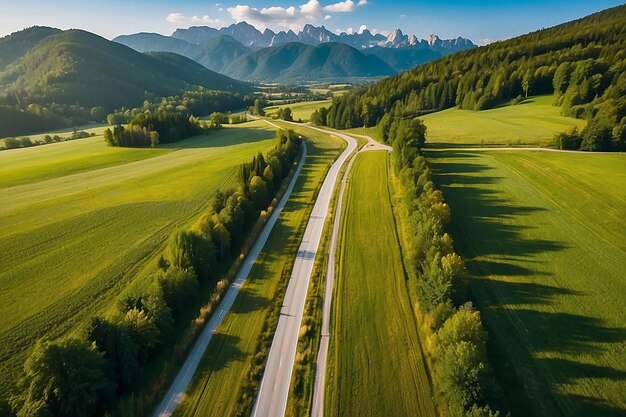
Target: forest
(96, 374)
(582, 63)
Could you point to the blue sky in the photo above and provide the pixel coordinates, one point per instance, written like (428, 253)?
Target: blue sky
(481, 21)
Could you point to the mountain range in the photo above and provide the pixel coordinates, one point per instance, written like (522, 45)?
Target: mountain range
(250, 36)
(243, 52)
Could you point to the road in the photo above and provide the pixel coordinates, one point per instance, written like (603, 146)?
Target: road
(272, 397)
(317, 409)
(177, 390)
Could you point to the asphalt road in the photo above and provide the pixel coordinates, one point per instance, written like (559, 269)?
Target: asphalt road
(317, 409)
(177, 391)
(272, 397)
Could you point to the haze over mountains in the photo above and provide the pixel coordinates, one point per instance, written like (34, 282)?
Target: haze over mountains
(371, 55)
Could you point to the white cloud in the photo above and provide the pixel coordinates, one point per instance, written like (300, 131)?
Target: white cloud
(341, 7)
(290, 17)
(311, 8)
(362, 28)
(180, 19)
(362, 3)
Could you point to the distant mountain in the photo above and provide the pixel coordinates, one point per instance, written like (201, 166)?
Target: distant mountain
(250, 36)
(299, 62)
(77, 67)
(402, 59)
(215, 54)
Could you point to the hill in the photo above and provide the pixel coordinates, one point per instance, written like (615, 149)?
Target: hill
(402, 59)
(62, 77)
(297, 61)
(582, 63)
(14, 46)
(215, 54)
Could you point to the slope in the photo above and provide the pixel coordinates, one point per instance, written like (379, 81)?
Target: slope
(77, 67)
(215, 54)
(296, 61)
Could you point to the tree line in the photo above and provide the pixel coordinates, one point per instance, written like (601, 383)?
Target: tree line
(22, 112)
(87, 376)
(582, 63)
(456, 341)
(27, 142)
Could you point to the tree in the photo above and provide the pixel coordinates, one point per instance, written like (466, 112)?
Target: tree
(154, 138)
(191, 250)
(108, 137)
(97, 114)
(178, 287)
(258, 108)
(287, 115)
(64, 378)
(259, 193)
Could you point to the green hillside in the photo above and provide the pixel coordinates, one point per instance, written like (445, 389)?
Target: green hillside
(62, 77)
(533, 122)
(582, 63)
(297, 61)
(14, 46)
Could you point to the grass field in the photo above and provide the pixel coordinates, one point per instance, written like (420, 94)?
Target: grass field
(226, 364)
(534, 122)
(300, 110)
(376, 366)
(71, 243)
(545, 238)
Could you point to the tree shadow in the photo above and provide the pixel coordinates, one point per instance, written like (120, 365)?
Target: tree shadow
(222, 351)
(499, 239)
(249, 300)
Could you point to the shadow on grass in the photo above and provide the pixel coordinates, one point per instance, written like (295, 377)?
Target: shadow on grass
(224, 351)
(492, 232)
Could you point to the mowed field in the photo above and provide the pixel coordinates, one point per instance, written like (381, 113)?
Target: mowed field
(544, 234)
(87, 222)
(376, 366)
(534, 122)
(300, 110)
(227, 362)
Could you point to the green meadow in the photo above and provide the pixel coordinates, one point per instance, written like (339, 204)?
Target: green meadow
(544, 235)
(376, 367)
(83, 225)
(300, 110)
(533, 122)
(215, 389)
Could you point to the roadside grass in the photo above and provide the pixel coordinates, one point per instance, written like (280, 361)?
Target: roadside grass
(232, 354)
(544, 235)
(301, 110)
(70, 246)
(375, 366)
(533, 122)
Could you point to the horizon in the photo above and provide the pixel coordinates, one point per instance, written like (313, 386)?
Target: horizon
(482, 23)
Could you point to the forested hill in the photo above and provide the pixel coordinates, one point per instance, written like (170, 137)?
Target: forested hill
(583, 63)
(297, 62)
(58, 77)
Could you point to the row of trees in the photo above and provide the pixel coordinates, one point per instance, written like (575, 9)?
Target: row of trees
(199, 103)
(456, 339)
(88, 376)
(148, 129)
(583, 63)
(27, 142)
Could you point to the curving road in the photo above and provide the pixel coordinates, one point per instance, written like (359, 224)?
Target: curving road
(317, 409)
(272, 397)
(177, 391)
